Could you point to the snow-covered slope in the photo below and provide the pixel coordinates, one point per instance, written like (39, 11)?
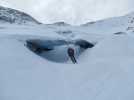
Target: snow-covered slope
(112, 25)
(9, 15)
(104, 72)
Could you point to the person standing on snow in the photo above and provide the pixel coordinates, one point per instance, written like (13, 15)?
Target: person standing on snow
(71, 54)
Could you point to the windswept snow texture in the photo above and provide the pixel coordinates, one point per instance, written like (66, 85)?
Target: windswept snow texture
(104, 72)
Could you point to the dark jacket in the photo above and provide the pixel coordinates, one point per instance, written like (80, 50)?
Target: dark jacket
(70, 52)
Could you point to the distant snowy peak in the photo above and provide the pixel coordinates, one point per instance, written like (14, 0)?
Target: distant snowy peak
(131, 17)
(60, 24)
(130, 14)
(12, 16)
(88, 23)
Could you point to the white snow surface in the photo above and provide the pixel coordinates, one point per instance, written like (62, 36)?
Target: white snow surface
(104, 72)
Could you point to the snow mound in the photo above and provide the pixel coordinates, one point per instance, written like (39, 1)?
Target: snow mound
(109, 66)
(116, 46)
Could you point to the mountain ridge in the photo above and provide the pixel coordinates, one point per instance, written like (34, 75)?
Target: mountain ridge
(9, 15)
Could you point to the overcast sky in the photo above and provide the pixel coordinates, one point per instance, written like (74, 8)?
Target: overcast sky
(71, 11)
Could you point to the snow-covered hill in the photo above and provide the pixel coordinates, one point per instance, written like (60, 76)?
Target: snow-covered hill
(104, 72)
(9, 15)
(117, 24)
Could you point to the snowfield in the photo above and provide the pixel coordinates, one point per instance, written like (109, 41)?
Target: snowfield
(104, 72)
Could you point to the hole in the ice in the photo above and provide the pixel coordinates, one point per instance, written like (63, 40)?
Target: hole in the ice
(57, 50)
